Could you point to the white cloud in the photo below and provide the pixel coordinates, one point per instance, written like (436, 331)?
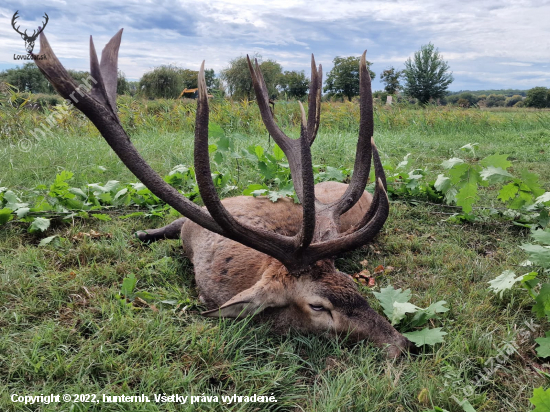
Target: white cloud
(484, 39)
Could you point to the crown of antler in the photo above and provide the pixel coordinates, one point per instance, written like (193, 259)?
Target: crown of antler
(319, 236)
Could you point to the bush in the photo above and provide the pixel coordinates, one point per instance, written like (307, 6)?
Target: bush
(495, 100)
(512, 101)
(538, 97)
(463, 103)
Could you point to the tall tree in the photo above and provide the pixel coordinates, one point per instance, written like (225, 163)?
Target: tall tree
(343, 79)
(538, 97)
(390, 77)
(237, 77)
(294, 84)
(168, 81)
(427, 75)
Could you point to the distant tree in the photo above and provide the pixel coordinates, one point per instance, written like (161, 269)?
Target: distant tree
(162, 82)
(495, 100)
(511, 101)
(390, 77)
(463, 103)
(469, 97)
(190, 78)
(426, 75)
(122, 85)
(343, 79)
(27, 79)
(538, 97)
(294, 84)
(169, 81)
(237, 77)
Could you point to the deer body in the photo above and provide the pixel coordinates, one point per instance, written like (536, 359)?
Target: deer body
(228, 273)
(224, 268)
(273, 261)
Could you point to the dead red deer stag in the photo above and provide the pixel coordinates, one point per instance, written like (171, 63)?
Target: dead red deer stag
(252, 256)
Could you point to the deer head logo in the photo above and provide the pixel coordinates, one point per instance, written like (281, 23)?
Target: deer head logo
(29, 40)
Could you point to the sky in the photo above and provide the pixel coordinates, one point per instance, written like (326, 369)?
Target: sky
(494, 44)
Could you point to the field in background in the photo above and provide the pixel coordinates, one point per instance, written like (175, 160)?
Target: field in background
(65, 331)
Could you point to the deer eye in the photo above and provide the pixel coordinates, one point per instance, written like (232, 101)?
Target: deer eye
(317, 308)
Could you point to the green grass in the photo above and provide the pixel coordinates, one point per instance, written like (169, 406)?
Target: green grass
(63, 330)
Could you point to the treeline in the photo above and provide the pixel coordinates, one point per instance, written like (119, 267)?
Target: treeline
(537, 97)
(419, 82)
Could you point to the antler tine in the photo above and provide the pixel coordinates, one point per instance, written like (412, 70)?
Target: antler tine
(379, 176)
(361, 236)
(364, 148)
(318, 107)
(283, 248)
(308, 199)
(290, 147)
(284, 142)
(314, 106)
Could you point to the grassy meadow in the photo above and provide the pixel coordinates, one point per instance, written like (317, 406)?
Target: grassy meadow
(64, 331)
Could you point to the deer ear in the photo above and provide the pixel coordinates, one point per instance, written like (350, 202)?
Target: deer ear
(266, 293)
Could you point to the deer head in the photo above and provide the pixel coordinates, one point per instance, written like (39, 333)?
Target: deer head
(29, 40)
(302, 263)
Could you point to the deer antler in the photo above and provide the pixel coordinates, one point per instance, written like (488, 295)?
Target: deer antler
(328, 240)
(319, 236)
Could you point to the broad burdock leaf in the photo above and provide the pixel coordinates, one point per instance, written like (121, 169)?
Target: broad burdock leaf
(77, 191)
(400, 309)
(539, 255)
(404, 163)
(13, 202)
(442, 183)
(471, 147)
(110, 185)
(542, 305)
(450, 163)
(498, 161)
(47, 240)
(278, 153)
(22, 212)
(543, 350)
(259, 192)
(259, 150)
(467, 196)
(495, 175)
(39, 224)
(543, 198)
(504, 281)
(542, 236)
(215, 131)
(5, 215)
(423, 315)
(531, 180)
(541, 400)
(179, 169)
(426, 336)
(334, 174)
(388, 296)
(508, 192)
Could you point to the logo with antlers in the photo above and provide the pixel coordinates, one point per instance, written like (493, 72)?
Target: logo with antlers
(29, 40)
